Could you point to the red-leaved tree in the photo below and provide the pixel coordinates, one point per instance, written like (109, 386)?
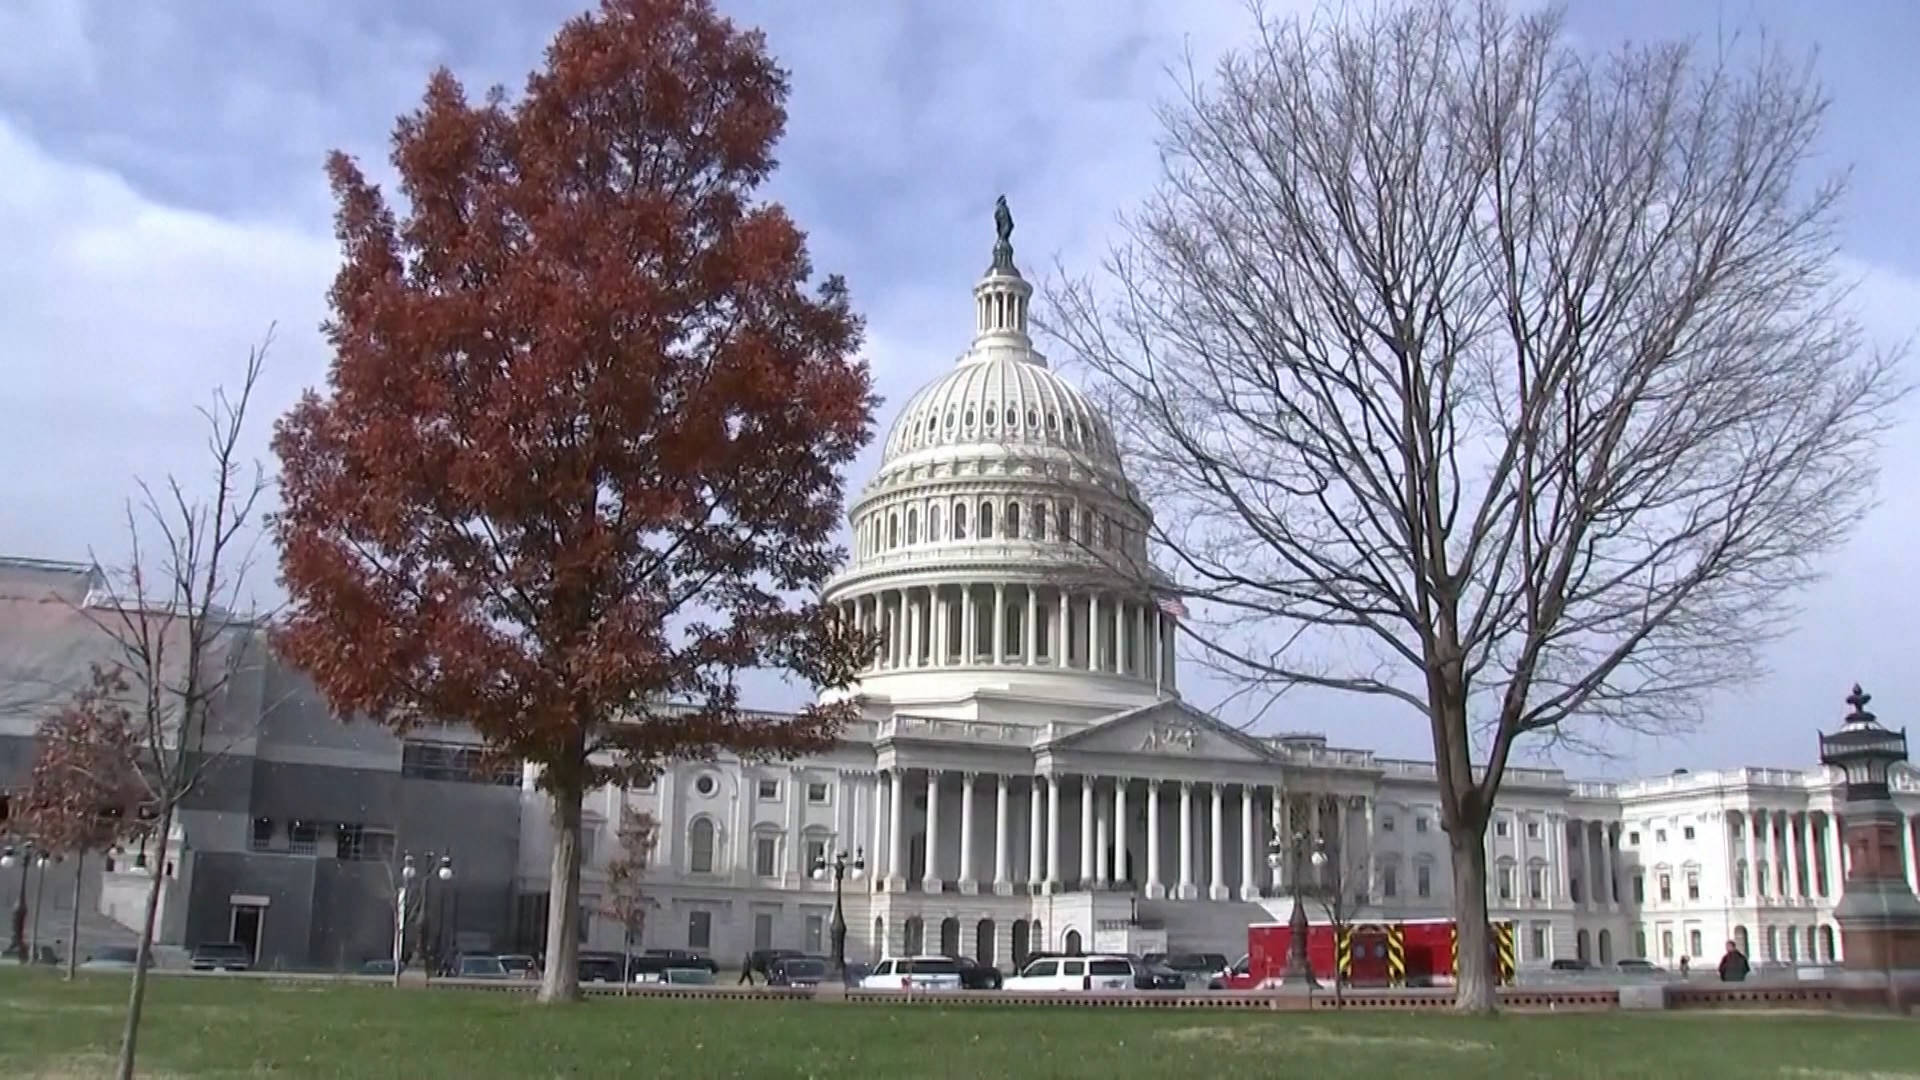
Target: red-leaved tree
(579, 460)
(86, 791)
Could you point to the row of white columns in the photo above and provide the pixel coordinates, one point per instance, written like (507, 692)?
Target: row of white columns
(1818, 837)
(931, 626)
(1106, 820)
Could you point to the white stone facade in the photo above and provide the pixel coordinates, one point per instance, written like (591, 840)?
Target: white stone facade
(1025, 775)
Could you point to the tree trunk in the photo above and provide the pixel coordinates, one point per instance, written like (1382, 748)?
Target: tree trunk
(1473, 971)
(561, 980)
(137, 995)
(73, 932)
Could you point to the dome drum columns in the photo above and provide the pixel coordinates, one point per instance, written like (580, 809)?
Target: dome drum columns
(1016, 624)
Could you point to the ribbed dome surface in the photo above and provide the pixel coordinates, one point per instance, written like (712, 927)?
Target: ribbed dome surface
(1002, 401)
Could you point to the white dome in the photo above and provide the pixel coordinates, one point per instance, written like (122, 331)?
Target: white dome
(999, 546)
(1004, 401)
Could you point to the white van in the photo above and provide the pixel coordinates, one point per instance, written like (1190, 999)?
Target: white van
(914, 973)
(1075, 973)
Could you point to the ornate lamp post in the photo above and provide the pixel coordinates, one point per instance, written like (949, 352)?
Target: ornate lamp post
(1879, 916)
(1296, 853)
(22, 857)
(408, 875)
(838, 867)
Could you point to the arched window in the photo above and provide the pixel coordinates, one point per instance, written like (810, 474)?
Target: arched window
(893, 531)
(959, 521)
(1740, 940)
(986, 520)
(913, 526)
(1086, 528)
(1073, 943)
(1606, 946)
(933, 522)
(983, 934)
(1040, 521)
(700, 846)
(1063, 522)
(1013, 521)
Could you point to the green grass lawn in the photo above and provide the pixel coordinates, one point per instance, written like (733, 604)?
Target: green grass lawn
(215, 1027)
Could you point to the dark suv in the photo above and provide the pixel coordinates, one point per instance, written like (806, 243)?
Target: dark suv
(221, 956)
(684, 958)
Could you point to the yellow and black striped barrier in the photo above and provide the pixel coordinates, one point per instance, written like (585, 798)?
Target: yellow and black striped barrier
(1503, 950)
(1396, 956)
(1343, 954)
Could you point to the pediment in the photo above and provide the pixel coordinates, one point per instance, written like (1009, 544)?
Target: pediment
(1168, 729)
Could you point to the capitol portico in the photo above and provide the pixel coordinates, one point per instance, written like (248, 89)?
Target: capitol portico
(1025, 775)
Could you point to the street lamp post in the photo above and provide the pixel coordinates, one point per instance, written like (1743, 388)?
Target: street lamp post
(839, 866)
(40, 862)
(1301, 849)
(22, 858)
(408, 875)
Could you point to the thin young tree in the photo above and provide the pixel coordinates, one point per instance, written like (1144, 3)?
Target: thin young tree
(625, 899)
(1473, 372)
(579, 460)
(86, 792)
(171, 615)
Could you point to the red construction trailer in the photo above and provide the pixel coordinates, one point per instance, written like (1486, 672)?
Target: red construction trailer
(1404, 952)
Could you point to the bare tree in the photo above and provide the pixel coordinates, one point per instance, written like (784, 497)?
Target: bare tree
(625, 900)
(1340, 890)
(1472, 373)
(177, 642)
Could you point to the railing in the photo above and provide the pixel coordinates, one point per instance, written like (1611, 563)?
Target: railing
(967, 730)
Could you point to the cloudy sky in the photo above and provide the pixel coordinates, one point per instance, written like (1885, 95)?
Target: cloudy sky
(161, 202)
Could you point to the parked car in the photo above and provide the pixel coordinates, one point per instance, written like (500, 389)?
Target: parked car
(1569, 964)
(601, 967)
(115, 958)
(975, 975)
(221, 956)
(1157, 976)
(1203, 971)
(687, 976)
(480, 966)
(377, 967)
(685, 958)
(1636, 966)
(760, 961)
(914, 973)
(1075, 973)
(520, 966)
(799, 971)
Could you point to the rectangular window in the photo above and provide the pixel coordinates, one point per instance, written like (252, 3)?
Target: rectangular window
(1420, 824)
(1695, 945)
(766, 855)
(1633, 838)
(817, 793)
(1537, 882)
(1639, 889)
(262, 839)
(816, 854)
(816, 927)
(463, 763)
(1687, 832)
(1666, 888)
(357, 843)
(1386, 822)
(1693, 885)
(763, 930)
(1659, 836)
(699, 929)
(583, 925)
(1423, 881)
(769, 790)
(1506, 882)
(301, 837)
(1533, 830)
(1666, 944)
(1538, 942)
(1640, 943)
(1500, 827)
(1389, 882)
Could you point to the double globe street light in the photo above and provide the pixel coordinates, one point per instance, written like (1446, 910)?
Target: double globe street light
(1295, 853)
(26, 856)
(408, 875)
(839, 866)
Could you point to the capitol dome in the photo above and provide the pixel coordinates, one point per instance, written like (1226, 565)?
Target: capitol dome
(1000, 546)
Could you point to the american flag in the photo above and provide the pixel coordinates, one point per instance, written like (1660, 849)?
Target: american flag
(1172, 606)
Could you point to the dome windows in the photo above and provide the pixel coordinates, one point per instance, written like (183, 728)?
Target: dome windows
(933, 523)
(893, 531)
(968, 422)
(1053, 420)
(1033, 419)
(1013, 521)
(913, 526)
(990, 416)
(1013, 418)
(986, 520)
(959, 521)
(1040, 521)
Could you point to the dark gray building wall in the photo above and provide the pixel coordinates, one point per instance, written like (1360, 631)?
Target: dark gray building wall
(16, 761)
(287, 881)
(352, 922)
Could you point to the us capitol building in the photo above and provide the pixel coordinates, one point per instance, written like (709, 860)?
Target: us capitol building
(1023, 776)
(1026, 776)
